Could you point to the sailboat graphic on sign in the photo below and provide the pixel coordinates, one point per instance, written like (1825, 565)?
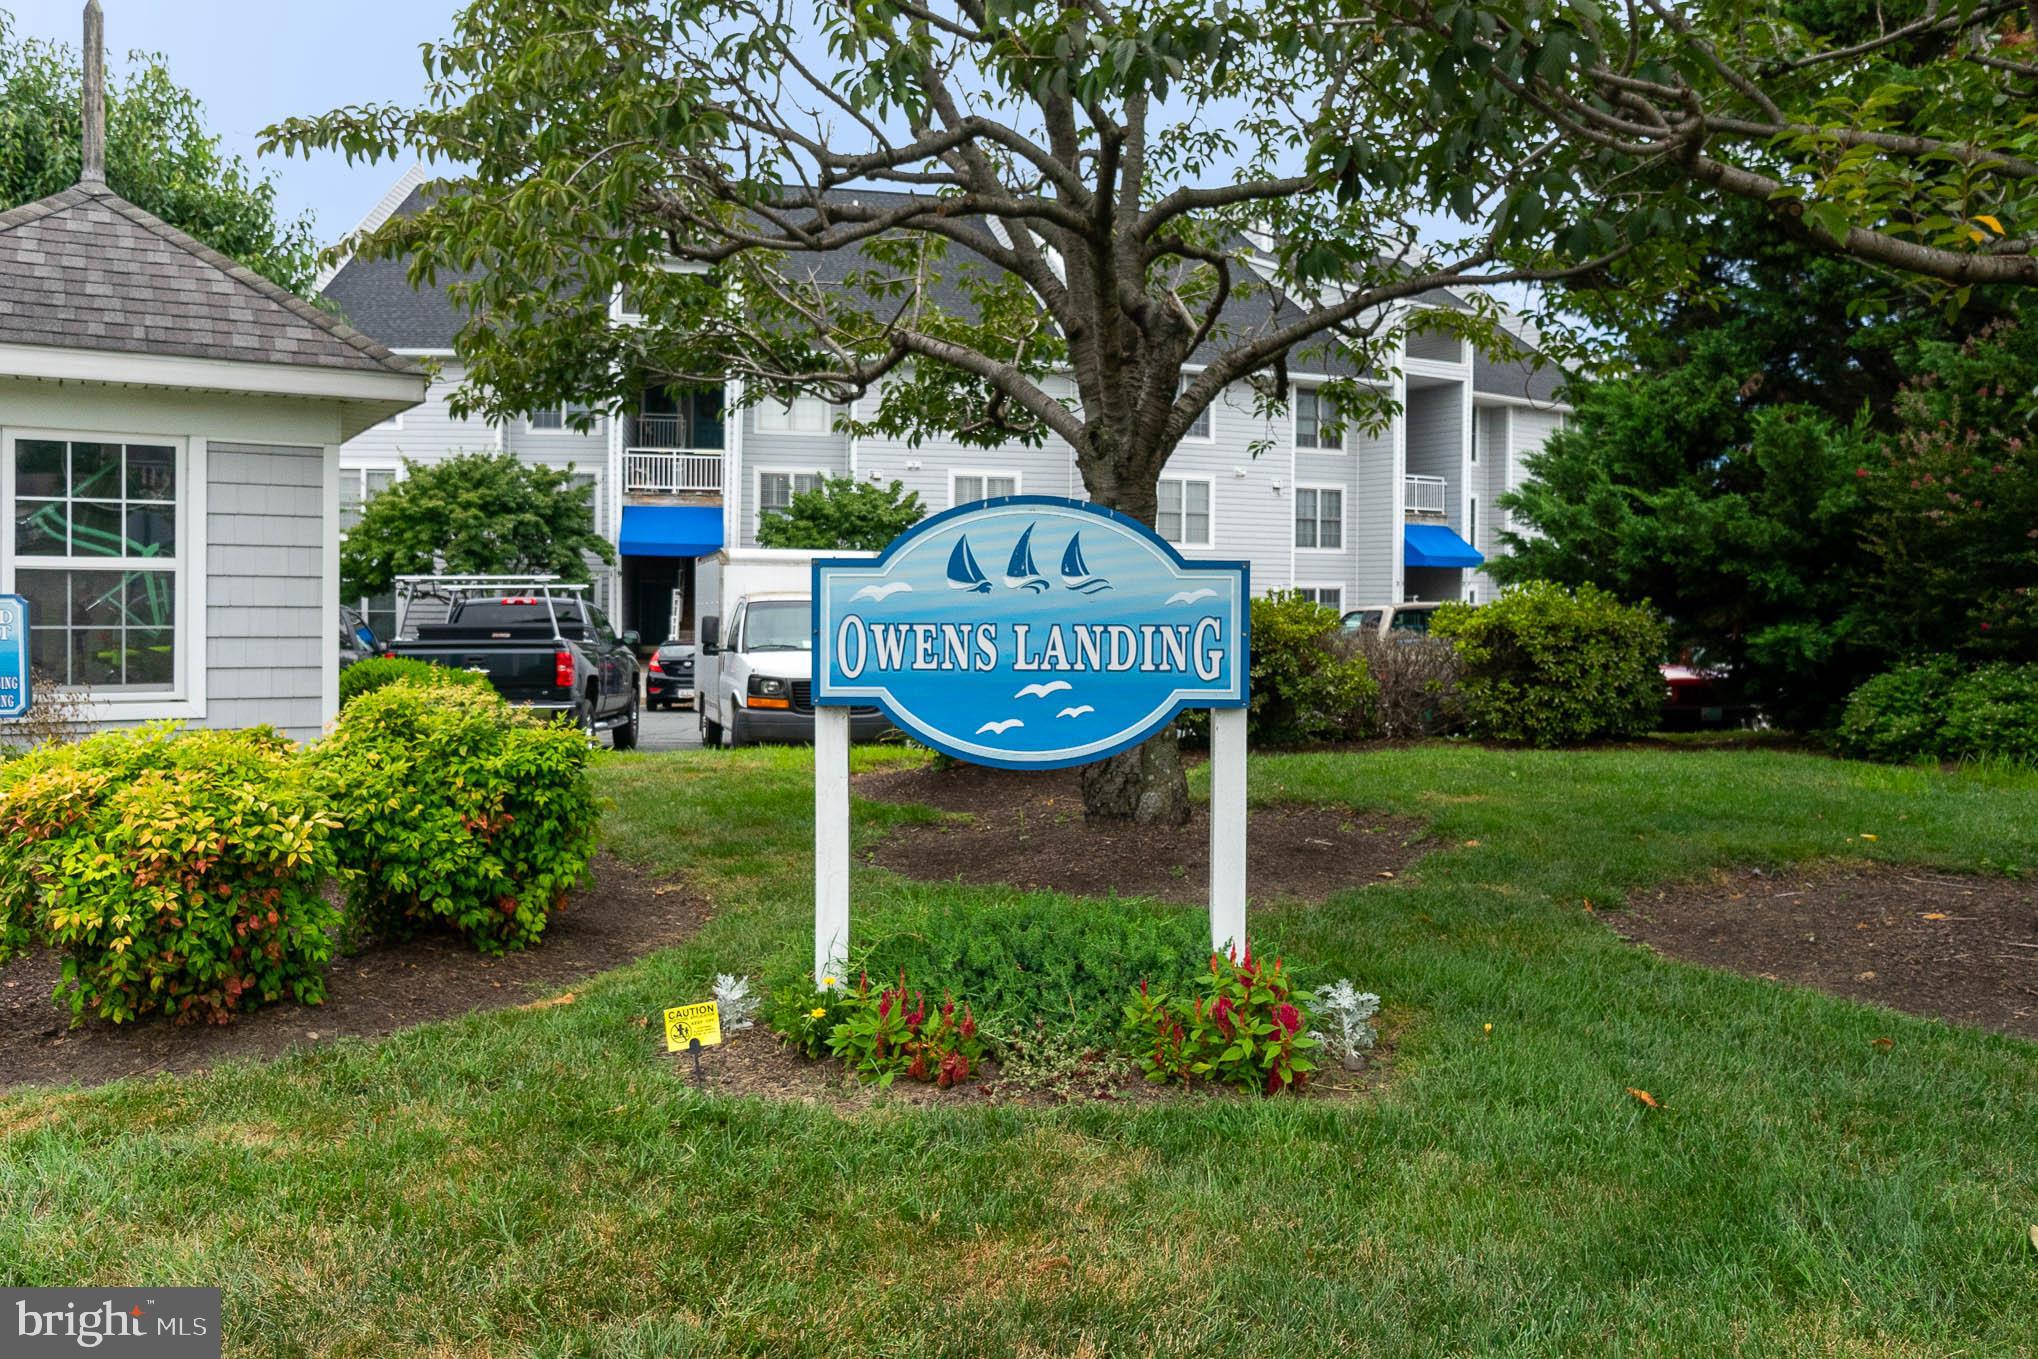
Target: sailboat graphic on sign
(963, 571)
(1075, 572)
(1020, 572)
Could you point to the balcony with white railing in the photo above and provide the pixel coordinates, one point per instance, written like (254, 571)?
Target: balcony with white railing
(1426, 495)
(658, 459)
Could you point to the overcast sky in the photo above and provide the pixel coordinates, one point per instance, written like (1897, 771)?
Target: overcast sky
(255, 61)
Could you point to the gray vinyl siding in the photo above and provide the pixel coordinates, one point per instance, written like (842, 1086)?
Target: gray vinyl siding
(1435, 344)
(1436, 442)
(1250, 520)
(265, 618)
(429, 432)
(781, 452)
(1375, 522)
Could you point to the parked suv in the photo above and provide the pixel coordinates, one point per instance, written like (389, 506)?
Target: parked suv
(669, 681)
(1392, 620)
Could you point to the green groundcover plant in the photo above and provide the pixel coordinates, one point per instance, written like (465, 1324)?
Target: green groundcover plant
(1548, 666)
(365, 677)
(456, 810)
(175, 870)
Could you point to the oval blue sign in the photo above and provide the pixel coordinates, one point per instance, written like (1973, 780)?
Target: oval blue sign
(1030, 632)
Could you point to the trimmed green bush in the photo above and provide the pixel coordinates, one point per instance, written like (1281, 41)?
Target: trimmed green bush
(1934, 711)
(379, 672)
(1309, 683)
(1900, 714)
(1548, 667)
(175, 870)
(457, 810)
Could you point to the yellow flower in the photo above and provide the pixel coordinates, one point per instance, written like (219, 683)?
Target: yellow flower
(827, 981)
(1489, 1028)
(818, 1012)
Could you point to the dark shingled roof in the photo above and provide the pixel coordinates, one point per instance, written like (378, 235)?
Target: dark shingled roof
(377, 296)
(1516, 377)
(86, 269)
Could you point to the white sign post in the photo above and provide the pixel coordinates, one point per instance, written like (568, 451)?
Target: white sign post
(831, 843)
(1029, 632)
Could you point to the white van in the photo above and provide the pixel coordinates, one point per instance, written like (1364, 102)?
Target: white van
(753, 676)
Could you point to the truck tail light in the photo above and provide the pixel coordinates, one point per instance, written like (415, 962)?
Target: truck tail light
(562, 669)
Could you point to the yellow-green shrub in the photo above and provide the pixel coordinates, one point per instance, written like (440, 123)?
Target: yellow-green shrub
(175, 870)
(1551, 667)
(457, 809)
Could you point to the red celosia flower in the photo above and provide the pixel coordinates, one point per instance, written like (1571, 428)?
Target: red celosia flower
(1289, 1018)
(1221, 1015)
(969, 1023)
(884, 1005)
(918, 1070)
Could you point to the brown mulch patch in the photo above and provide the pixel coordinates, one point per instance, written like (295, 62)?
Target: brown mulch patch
(1950, 946)
(1027, 831)
(753, 1062)
(620, 918)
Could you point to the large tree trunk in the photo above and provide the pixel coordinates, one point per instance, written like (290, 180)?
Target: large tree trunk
(1145, 784)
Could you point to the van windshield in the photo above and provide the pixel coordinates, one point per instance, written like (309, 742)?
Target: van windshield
(778, 625)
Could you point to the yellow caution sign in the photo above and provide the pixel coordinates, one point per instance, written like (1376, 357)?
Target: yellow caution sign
(686, 1025)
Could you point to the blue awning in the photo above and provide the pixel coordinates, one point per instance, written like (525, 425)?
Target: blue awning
(1438, 545)
(671, 530)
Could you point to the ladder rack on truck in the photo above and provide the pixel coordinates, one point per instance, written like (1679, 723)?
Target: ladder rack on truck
(449, 590)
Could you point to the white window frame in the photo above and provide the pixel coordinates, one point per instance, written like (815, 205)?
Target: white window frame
(1210, 484)
(757, 476)
(1344, 438)
(363, 468)
(983, 474)
(1343, 516)
(1314, 587)
(186, 696)
(1208, 417)
(531, 427)
(776, 417)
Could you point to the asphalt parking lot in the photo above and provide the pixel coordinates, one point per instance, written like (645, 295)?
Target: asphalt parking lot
(679, 729)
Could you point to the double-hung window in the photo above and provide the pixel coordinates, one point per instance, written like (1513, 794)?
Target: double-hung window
(964, 487)
(96, 542)
(775, 490)
(1183, 517)
(1317, 421)
(1201, 427)
(560, 419)
(1330, 596)
(804, 415)
(1319, 517)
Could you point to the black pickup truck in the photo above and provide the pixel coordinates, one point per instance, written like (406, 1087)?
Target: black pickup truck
(556, 655)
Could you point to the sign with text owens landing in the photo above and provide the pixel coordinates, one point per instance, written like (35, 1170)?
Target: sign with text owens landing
(1030, 632)
(14, 691)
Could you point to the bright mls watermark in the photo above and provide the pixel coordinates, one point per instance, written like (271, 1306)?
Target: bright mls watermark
(160, 1323)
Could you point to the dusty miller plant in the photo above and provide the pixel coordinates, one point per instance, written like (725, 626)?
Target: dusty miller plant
(1347, 1015)
(737, 1006)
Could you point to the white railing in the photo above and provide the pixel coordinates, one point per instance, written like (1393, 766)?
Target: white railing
(663, 473)
(1426, 494)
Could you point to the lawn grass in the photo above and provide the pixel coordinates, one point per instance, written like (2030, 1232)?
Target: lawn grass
(537, 1182)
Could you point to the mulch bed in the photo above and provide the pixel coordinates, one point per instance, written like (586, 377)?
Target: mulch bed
(620, 918)
(1950, 946)
(1027, 830)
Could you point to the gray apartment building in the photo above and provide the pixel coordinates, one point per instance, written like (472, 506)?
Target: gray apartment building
(1350, 518)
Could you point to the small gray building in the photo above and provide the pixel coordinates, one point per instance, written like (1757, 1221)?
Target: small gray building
(170, 432)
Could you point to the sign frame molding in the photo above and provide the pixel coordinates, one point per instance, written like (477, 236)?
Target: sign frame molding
(1228, 725)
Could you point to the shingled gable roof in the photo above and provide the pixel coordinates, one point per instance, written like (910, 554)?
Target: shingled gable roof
(86, 269)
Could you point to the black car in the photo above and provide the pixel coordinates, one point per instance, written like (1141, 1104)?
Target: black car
(669, 681)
